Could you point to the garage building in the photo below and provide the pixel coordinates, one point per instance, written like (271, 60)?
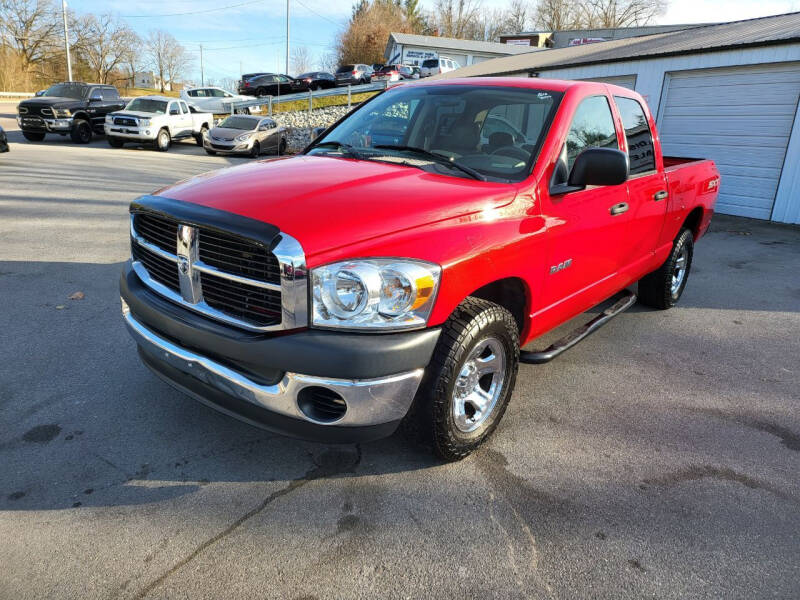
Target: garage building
(411, 49)
(728, 92)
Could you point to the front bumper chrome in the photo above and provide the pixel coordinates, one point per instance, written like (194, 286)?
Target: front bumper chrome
(60, 124)
(369, 401)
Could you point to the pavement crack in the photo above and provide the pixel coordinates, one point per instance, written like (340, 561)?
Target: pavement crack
(331, 462)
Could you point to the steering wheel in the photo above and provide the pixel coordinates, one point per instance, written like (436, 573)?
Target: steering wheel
(511, 151)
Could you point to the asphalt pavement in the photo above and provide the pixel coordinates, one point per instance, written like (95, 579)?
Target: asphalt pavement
(658, 458)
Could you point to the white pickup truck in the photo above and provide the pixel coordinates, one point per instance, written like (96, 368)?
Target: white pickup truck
(157, 120)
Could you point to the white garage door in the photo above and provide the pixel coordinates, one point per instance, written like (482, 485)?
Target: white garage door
(742, 118)
(627, 81)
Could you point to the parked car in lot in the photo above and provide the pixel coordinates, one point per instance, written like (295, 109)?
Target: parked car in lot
(156, 120)
(318, 80)
(332, 295)
(273, 84)
(3, 141)
(394, 73)
(353, 74)
(213, 99)
(434, 66)
(246, 134)
(73, 108)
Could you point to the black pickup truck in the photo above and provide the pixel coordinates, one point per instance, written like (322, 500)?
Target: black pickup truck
(77, 109)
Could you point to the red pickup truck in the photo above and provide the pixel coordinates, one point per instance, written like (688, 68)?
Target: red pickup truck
(391, 272)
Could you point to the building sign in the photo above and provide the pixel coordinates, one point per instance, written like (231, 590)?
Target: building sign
(523, 42)
(416, 56)
(584, 41)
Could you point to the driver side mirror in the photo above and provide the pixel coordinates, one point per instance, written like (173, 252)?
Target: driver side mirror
(599, 166)
(174, 111)
(95, 98)
(316, 132)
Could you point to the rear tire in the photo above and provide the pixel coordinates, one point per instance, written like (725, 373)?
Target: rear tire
(81, 131)
(282, 148)
(478, 347)
(261, 91)
(255, 151)
(663, 287)
(33, 136)
(199, 137)
(115, 142)
(162, 141)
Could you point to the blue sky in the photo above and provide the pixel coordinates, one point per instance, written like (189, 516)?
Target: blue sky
(251, 34)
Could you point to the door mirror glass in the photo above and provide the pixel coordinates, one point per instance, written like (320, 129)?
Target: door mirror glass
(599, 166)
(316, 132)
(173, 110)
(96, 97)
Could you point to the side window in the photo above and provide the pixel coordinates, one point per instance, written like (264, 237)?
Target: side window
(110, 93)
(637, 132)
(192, 93)
(592, 126)
(217, 93)
(184, 108)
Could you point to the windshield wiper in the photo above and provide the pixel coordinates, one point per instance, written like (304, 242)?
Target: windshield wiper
(346, 148)
(441, 159)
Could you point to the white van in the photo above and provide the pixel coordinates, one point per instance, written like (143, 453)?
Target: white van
(434, 66)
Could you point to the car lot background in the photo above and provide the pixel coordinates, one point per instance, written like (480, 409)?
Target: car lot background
(659, 458)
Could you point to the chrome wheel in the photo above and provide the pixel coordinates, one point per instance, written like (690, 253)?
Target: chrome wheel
(479, 385)
(679, 271)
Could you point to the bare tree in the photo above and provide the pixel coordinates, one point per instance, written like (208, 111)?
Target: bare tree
(458, 19)
(301, 60)
(178, 62)
(105, 44)
(621, 13)
(167, 57)
(31, 28)
(328, 61)
(558, 15)
(364, 39)
(517, 16)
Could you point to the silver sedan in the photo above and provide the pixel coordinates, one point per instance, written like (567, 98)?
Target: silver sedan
(246, 134)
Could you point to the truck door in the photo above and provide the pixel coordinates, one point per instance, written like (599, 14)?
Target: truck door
(647, 187)
(585, 227)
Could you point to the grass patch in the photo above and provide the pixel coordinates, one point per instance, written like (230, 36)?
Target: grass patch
(134, 92)
(322, 102)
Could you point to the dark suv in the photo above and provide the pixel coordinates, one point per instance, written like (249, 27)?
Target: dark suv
(77, 109)
(353, 74)
(272, 84)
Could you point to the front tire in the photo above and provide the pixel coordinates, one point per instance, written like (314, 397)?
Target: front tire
(115, 142)
(469, 381)
(33, 136)
(663, 287)
(282, 148)
(210, 152)
(255, 150)
(163, 141)
(81, 131)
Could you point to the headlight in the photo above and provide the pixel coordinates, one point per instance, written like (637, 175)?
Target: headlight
(109, 119)
(377, 293)
(144, 122)
(243, 138)
(62, 112)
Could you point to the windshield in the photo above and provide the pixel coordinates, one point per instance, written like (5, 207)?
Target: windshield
(63, 90)
(345, 68)
(449, 129)
(431, 62)
(245, 123)
(147, 105)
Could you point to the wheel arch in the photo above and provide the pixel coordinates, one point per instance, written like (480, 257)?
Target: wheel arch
(512, 293)
(693, 220)
(82, 115)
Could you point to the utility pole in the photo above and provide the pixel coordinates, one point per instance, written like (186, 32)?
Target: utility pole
(287, 37)
(202, 73)
(66, 39)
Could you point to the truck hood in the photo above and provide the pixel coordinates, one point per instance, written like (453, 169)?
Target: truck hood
(51, 101)
(326, 203)
(136, 113)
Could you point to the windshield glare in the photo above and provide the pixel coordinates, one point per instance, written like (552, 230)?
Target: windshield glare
(66, 91)
(244, 123)
(147, 105)
(496, 131)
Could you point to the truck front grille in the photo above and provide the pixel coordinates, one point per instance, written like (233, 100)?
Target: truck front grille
(130, 122)
(226, 276)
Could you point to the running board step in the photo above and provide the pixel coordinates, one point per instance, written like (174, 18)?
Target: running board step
(627, 300)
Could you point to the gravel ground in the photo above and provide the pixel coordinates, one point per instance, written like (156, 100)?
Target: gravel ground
(300, 124)
(659, 458)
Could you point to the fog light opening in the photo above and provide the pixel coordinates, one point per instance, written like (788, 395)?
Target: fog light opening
(321, 405)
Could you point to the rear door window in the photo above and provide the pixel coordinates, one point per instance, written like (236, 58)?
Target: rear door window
(637, 132)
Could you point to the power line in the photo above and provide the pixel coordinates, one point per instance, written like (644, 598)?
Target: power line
(192, 12)
(321, 16)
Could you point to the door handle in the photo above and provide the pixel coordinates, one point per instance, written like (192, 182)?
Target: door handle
(660, 195)
(618, 209)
